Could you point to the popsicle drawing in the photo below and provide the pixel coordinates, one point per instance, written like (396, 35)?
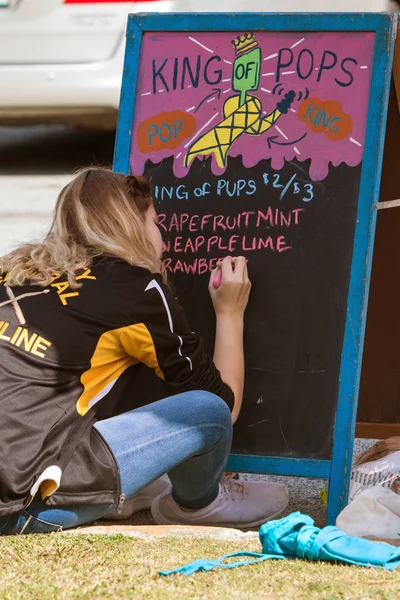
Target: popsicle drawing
(242, 112)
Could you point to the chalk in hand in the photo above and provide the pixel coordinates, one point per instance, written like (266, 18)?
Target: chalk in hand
(218, 276)
(217, 279)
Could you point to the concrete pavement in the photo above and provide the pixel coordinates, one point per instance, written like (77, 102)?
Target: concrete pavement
(26, 206)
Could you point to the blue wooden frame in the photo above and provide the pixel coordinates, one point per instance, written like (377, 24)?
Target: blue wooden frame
(338, 469)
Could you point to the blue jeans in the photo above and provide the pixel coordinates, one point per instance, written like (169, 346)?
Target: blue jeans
(187, 436)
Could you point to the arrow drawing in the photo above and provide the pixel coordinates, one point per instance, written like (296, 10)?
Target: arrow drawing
(271, 140)
(215, 91)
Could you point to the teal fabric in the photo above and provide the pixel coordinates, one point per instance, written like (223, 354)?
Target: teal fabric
(204, 564)
(295, 536)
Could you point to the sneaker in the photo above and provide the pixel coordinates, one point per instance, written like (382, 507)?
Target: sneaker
(239, 504)
(140, 501)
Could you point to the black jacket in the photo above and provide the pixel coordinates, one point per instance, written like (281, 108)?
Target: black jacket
(62, 352)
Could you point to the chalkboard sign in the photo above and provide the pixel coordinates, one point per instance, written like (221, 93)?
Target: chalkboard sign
(262, 136)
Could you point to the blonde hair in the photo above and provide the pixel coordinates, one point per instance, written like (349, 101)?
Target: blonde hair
(99, 213)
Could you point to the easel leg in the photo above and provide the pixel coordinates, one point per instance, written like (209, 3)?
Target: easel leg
(396, 65)
(345, 417)
(339, 481)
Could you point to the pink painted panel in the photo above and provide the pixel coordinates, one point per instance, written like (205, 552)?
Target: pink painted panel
(270, 95)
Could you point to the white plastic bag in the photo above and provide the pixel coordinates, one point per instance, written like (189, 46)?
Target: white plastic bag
(384, 472)
(374, 512)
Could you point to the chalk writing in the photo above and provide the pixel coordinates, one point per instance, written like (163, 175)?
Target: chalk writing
(222, 234)
(176, 73)
(270, 216)
(310, 64)
(292, 185)
(165, 130)
(326, 117)
(241, 244)
(237, 189)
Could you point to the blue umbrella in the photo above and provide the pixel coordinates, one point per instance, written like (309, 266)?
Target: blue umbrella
(295, 536)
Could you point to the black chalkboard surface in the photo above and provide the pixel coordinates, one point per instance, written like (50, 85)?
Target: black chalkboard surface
(296, 314)
(262, 136)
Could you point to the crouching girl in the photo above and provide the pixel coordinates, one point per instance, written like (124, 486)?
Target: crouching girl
(80, 313)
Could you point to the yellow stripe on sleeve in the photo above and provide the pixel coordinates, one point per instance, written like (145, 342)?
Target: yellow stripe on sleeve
(116, 350)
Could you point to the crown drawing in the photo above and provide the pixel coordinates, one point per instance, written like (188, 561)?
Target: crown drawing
(244, 43)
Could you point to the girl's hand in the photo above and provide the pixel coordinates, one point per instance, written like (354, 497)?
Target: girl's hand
(231, 296)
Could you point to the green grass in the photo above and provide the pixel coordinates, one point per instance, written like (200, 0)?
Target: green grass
(58, 566)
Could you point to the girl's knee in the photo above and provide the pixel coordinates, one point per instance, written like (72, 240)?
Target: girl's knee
(215, 408)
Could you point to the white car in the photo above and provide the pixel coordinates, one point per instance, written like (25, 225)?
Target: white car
(61, 60)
